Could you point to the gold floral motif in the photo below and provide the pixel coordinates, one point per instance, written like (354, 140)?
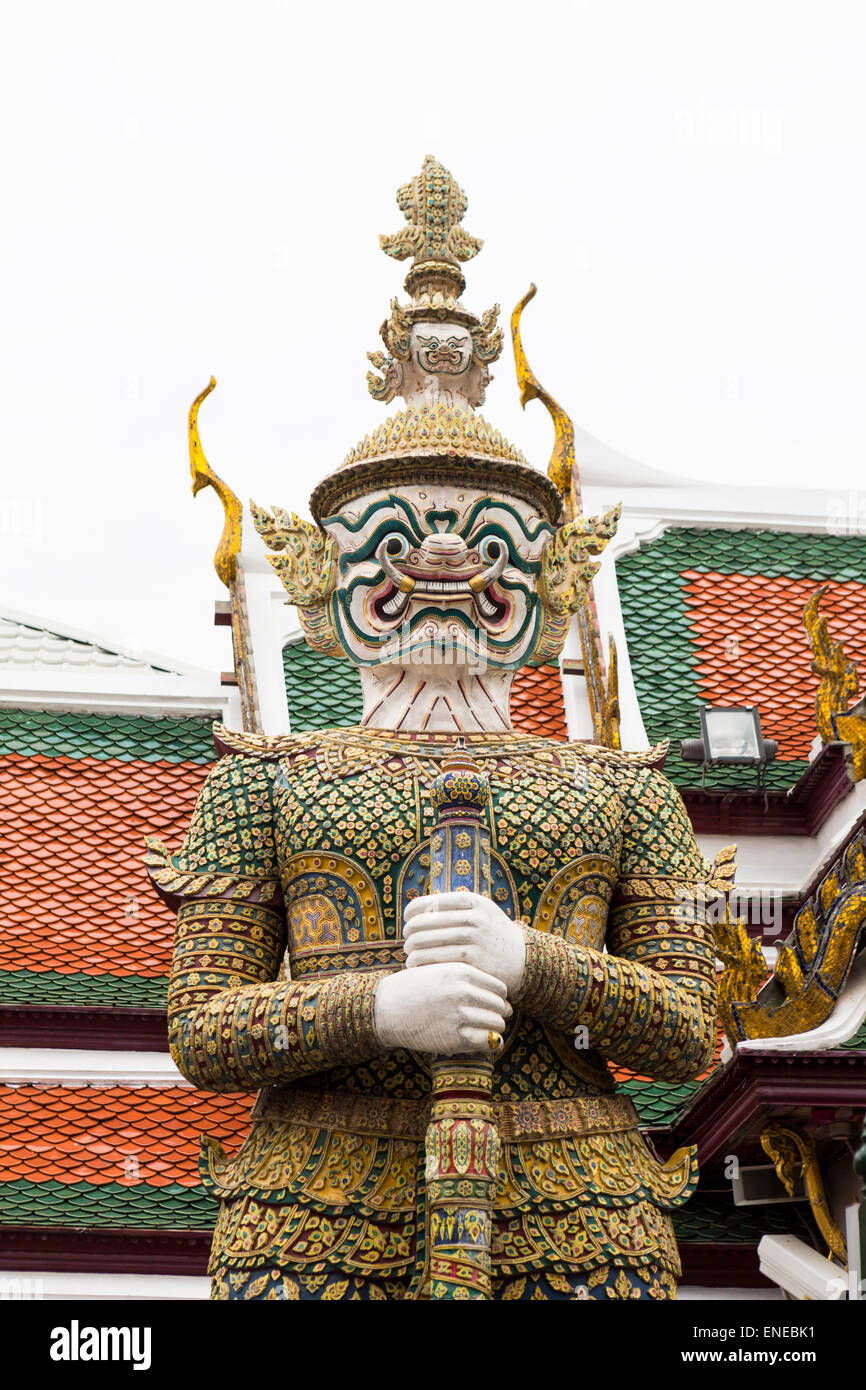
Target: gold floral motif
(306, 559)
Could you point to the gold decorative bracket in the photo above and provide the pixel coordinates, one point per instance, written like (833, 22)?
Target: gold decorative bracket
(793, 1155)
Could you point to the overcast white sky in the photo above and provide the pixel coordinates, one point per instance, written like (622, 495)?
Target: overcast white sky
(193, 188)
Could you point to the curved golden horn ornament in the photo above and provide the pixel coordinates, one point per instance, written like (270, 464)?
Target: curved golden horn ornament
(225, 558)
(561, 468)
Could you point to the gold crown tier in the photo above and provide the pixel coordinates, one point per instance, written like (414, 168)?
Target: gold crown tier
(434, 429)
(448, 438)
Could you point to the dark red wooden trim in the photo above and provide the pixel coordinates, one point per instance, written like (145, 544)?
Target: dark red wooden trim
(59, 1025)
(54, 1250)
(753, 1087)
(722, 1265)
(801, 810)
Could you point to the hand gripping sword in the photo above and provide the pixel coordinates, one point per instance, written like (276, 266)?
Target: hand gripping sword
(462, 1143)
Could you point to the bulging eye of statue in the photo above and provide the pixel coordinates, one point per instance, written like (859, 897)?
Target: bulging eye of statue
(390, 601)
(491, 549)
(396, 547)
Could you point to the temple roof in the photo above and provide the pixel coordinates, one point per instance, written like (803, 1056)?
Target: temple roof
(115, 1156)
(78, 792)
(715, 617)
(25, 642)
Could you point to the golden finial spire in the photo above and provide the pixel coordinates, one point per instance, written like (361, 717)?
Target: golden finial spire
(433, 204)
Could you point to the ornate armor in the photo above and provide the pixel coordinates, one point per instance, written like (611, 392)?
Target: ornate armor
(290, 884)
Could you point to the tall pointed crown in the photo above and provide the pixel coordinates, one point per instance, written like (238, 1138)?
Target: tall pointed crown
(433, 204)
(437, 359)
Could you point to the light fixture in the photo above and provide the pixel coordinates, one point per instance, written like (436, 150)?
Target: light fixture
(731, 736)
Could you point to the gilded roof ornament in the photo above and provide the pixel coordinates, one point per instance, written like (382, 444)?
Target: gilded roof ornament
(225, 559)
(813, 963)
(562, 467)
(226, 563)
(837, 719)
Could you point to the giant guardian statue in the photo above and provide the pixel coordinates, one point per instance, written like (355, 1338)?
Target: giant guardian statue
(423, 940)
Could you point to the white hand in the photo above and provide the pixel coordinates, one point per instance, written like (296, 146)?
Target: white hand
(443, 1009)
(465, 927)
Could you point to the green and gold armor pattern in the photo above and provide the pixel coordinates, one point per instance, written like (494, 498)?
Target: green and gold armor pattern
(290, 886)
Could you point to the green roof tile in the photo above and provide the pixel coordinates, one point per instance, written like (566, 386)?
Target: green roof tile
(659, 1102)
(711, 1216)
(858, 1040)
(84, 1204)
(133, 738)
(323, 692)
(78, 988)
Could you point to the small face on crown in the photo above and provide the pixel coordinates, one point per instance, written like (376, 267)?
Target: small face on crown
(436, 362)
(441, 347)
(441, 366)
(439, 575)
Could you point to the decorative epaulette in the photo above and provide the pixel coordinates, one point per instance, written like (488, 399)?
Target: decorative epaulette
(266, 746)
(647, 757)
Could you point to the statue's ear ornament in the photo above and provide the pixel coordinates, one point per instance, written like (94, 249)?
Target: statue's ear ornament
(487, 339)
(396, 332)
(567, 566)
(306, 562)
(385, 387)
(306, 559)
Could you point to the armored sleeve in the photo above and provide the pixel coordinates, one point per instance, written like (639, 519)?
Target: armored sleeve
(235, 1021)
(649, 1000)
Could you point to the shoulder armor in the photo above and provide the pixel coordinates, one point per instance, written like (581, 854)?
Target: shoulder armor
(267, 746)
(647, 757)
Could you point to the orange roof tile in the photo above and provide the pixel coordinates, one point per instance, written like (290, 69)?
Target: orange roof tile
(753, 648)
(113, 1134)
(537, 704)
(73, 893)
